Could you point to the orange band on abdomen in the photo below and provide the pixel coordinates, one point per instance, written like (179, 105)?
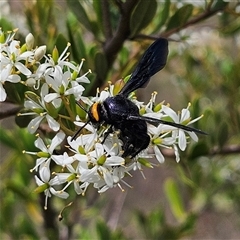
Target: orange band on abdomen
(94, 111)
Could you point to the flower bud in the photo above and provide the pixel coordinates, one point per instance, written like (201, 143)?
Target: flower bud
(157, 141)
(145, 162)
(43, 154)
(102, 160)
(55, 54)
(30, 82)
(118, 86)
(41, 188)
(157, 107)
(81, 150)
(51, 109)
(71, 177)
(142, 110)
(29, 41)
(40, 52)
(2, 37)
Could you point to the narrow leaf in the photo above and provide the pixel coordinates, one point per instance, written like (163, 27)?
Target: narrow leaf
(80, 13)
(180, 17)
(142, 15)
(164, 14)
(174, 199)
(219, 5)
(98, 11)
(222, 134)
(198, 150)
(101, 65)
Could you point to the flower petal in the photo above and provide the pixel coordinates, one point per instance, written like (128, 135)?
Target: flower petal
(24, 70)
(170, 113)
(3, 94)
(13, 78)
(40, 144)
(34, 124)
(56, 141)
(158, 154)
(44, 171)
(51, 96)
(182, 142)
(53, 124)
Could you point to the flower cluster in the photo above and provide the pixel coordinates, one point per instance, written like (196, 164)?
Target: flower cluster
(54, 85)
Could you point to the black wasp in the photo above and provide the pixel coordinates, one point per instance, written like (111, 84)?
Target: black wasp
(122, 114)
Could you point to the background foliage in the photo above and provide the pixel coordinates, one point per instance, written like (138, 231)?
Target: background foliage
(199, 197)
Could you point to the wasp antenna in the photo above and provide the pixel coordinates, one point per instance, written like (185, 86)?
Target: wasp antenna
(79, 130)
(79, 104)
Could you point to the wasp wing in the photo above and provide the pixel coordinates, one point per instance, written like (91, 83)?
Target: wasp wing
(156, 122)
(152, 61)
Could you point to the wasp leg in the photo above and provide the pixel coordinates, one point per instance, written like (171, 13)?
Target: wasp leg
(140, 144)
(134, 141)
(110, 130)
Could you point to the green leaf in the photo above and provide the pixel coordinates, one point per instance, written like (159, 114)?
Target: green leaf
(61, 43)
(98, 10)
(142, 15)
(5, 24)
(218, 5)
(101, 66)
(180, 17)
(6, 138)
(21, 120)
(222, 134)
(80, 13)
(188, 226)
(103, 230)
(10, 138)
(199, 149)
(174, 199)
(16, 91)
(231, 28)
(164, 14)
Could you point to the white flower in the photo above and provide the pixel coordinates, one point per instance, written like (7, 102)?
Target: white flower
(87, 140)
(62, 60)
(46, 151)
(109, 160)
(37, 105)
(102, 171)
(73, 176)
(11, 57)
(181, 118)
(63, 160)
(49, 184)
(62, 85)
(6, 77)
(52, 65)
(82, 78)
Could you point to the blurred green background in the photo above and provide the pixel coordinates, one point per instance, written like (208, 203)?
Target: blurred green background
(197, 198)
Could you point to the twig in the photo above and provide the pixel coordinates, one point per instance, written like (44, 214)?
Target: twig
(208, 13)
(115, 43)
(229, 149)
(107, 28)
(8, 110)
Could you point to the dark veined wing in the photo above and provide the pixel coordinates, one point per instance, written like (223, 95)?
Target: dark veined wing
(156, 122)
(152, 61)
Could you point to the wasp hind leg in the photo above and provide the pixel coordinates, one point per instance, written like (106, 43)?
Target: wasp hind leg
(110, 130)
(133, 145)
